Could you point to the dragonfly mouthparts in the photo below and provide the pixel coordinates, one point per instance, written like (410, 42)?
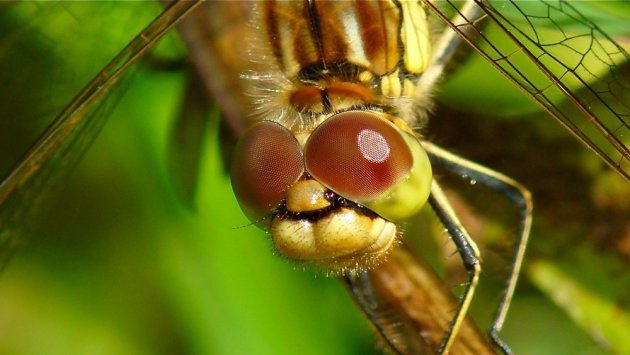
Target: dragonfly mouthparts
(324, 230)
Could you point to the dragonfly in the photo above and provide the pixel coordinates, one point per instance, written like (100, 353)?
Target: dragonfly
(614, 157)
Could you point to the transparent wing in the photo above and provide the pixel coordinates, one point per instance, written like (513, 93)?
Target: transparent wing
(70, 133)
(210, 33)
(552, 51)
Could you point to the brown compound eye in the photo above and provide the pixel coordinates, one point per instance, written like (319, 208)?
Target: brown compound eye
(359, 155)
(267, 161)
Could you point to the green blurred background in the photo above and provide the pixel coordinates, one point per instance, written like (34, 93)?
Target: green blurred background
(116, 265)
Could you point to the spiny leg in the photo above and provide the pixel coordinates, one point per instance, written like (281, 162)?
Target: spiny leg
(515, 193)
(445, 55)
(469, 253)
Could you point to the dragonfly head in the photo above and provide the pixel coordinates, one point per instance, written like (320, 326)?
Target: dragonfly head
(332, 201)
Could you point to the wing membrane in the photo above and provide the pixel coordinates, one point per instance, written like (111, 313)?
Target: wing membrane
(551, 51)
(69, 135)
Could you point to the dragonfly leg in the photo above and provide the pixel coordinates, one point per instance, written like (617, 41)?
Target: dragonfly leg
(366, 296)
(516, 194)
(468, 252)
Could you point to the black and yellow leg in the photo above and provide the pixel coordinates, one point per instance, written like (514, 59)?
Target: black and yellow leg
(516, 194)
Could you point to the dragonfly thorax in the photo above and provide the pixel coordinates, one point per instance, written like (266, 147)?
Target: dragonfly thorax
(322, 57)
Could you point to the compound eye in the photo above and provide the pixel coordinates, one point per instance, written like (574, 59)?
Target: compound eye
(359, 155)
(267, 161)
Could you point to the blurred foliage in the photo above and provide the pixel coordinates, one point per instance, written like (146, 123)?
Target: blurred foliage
(118, 266)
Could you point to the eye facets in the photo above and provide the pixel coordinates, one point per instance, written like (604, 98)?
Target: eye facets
(267, 161)
(358, 155)
(373, 146)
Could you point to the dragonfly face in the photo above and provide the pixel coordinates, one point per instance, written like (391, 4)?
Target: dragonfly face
(315, 95)
(328, 170)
